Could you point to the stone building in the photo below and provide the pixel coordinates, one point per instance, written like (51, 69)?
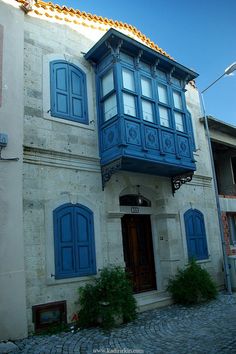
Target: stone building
(110, 130)
(223, 141)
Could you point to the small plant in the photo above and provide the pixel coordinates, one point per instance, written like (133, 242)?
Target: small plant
(192, 285)
(108, 300)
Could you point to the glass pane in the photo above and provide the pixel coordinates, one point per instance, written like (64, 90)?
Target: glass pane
(146, 87)
(147, 111)
(107, 83)
(128, 79)
(175, 81)
(177, 100)
(129, 104)
(179, 121)
(110, 107)
(232, 227)
(162, 93)
(145, 66)
(161, 74)
(127, 58)
(164, 118)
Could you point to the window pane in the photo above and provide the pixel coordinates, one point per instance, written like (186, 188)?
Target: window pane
(145, 66)
(161, 74)
(129, 104)
(147, 111)
(110, 107)
(146, 87)
(164, 118)
(233, 163)
(177, 100)
(107, 83)
(127, 58)
(128, 79)
(162, 93)
(175, 81)
(232, 227)
(179, 121)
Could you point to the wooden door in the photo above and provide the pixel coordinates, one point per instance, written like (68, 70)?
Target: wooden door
(138, 251)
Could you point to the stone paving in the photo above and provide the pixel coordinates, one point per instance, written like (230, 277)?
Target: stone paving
(208, 328)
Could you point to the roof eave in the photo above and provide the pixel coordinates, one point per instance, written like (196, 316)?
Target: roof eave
(100, 48)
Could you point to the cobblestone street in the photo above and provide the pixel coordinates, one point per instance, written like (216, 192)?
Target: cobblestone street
(208, 328)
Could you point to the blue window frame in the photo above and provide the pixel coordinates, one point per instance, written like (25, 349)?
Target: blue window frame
(137, 91)
(68, 92)
(74, 241)
(195, 234)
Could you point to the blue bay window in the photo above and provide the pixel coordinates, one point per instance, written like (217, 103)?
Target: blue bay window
(68, 92)
(144, 125)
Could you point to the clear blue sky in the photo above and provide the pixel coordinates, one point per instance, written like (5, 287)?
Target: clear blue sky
(200, 34)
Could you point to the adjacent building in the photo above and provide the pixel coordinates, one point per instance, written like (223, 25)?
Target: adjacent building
(223, 141)
(113, 169)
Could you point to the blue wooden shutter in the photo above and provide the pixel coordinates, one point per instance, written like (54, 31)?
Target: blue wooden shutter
(65, 261)
(74, 241)
(196, 234)
(60, 98)
(84, 240)
(78, 97)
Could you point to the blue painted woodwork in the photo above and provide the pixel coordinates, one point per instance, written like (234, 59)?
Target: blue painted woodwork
(134, 137)
(195, 234)
(74, 241)
(68, 92)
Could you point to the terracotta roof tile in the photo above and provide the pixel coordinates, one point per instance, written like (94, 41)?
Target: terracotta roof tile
(70, 12)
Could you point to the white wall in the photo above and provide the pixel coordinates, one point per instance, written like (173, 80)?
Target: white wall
(12, 275)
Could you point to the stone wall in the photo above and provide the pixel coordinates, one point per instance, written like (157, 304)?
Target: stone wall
(61, 165)
(12, 276)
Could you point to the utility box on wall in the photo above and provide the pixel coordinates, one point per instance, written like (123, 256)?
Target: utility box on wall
(3, 140)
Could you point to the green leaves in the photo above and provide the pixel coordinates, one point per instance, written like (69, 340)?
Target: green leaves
(192, 285)
(108, 300)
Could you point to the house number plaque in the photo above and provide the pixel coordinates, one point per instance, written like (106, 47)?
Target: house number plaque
(135, 210)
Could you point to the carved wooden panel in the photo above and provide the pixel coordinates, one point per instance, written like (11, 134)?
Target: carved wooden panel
(168, 142)
(133, 133)
(183, 144)
(151, 138)
(110, 136)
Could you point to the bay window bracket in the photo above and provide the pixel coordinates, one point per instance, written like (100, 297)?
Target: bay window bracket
(109, 170)
(137, 59)
(155, 67)
(177, 181)
(115, 49)
(170, 74)
(185, 81)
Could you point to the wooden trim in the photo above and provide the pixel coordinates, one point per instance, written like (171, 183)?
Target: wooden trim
(38, 310)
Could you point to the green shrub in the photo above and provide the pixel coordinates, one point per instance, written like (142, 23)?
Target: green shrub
(192, 285)
(108, 300)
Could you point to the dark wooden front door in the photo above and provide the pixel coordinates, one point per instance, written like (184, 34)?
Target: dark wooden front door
(138, 251)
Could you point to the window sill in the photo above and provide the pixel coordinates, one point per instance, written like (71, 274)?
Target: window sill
(52, 281)
(207, 260)
(90, 126)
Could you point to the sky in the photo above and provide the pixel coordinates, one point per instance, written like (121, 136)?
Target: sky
(199, 34)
